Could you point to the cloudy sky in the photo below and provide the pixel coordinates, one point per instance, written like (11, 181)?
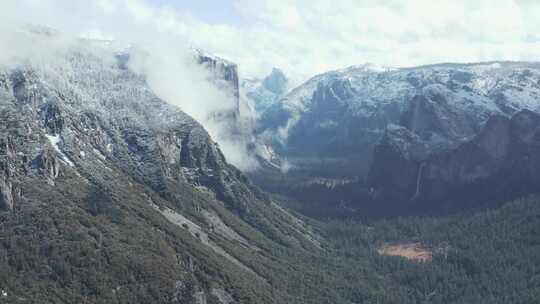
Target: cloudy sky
(305, 37)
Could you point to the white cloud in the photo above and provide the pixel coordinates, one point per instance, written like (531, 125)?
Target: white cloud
(107, 6)
(139, 10)
(175, 77)
(305, 37)
(166, 61)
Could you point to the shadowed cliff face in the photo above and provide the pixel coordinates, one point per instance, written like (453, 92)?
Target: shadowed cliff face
(500, 163)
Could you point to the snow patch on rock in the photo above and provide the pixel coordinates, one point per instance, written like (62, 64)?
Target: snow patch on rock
(55, 140)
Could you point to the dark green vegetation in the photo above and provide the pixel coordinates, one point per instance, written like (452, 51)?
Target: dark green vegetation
(124, 206)
(99, 250)
(492, 257)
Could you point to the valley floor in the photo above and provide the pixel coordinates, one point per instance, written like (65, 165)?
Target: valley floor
(487, 257)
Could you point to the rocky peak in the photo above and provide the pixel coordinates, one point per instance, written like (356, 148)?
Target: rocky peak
(225, 72)
(276, 82)
(263, 93)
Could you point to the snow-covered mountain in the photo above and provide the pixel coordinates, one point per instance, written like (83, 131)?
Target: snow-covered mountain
(501, 162)
(335, 113)
(264, 93)
(327, 128)
(126, 189)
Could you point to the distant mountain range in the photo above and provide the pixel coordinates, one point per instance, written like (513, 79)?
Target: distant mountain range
(329, 131)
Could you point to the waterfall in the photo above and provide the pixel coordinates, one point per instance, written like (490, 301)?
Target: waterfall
(418, 181)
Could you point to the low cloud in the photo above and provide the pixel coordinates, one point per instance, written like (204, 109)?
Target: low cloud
(174, 74)
(308, 37)
(168, 63)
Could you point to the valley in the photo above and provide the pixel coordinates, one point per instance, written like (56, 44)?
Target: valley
(368, 184)
(404, 141)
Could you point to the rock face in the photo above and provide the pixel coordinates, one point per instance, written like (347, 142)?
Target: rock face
(334, 126)
(264, 93)
(397, 162)
(7, 198)
(276, 82)
(225, 72)
(499, 163)
(233, 127)
(102, 169)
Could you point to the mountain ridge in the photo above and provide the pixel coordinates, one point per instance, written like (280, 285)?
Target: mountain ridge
(130, 197)
(328, 127)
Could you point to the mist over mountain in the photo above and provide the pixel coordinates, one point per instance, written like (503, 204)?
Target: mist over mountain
(111, 171)
(242, 152)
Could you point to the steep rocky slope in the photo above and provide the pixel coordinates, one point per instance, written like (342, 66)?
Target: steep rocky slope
(111, 195)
